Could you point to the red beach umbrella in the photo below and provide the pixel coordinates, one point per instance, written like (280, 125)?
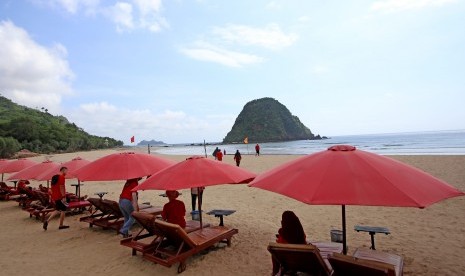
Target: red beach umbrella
(33, 171)
(122, 166)
(16, 165)
(3, 162)
(194, 172)
(72, 165)
(344, 175)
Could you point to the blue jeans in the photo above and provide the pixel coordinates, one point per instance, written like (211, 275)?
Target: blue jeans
(126, 208)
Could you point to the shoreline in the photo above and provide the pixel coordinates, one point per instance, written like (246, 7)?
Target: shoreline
(415, 233)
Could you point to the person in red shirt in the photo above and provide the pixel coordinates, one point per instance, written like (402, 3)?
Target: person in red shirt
(174, 211)
(58, 195)
(257, 150)
(291, 231)
(219, 155)
(127, 205)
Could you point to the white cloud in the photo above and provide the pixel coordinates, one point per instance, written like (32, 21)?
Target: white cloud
(320, 69)
(270, 37)
(31, 74)
(273, 5)
(121, 14)
(303, 19)
(127, 15)
(170, 126)
(74, 6)
(207, 52)
(402, 5)
(223, 42)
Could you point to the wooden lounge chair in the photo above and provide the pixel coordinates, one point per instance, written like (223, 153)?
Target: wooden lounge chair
(294, 258)
(181, 245)
(43, 208)
(99, 211)
(141, 242)
(113, 218)
(367, 262)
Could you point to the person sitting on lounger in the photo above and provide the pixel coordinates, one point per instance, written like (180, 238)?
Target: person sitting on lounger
(291, 231)
(174, 211)
(22, 185)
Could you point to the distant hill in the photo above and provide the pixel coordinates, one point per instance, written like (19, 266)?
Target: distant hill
(267, 120)
(38, 131)
(151, 142)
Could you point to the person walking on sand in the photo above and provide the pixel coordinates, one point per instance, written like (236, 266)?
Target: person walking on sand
(126, 205)
(257, 150)
(219, 155)
(237, 158)
(58, 195)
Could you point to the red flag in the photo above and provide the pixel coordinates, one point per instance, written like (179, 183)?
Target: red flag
(132, 139)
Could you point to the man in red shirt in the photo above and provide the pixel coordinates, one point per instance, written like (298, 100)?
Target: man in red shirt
(257, 150)
(174, 211)
(58, 196)
(219, 155)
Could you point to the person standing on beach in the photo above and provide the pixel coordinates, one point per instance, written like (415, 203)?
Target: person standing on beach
(219, 155)
(196, 192)
(126, 205)
(257, 150)
(237, 158)
(215, 152)
(58, 195)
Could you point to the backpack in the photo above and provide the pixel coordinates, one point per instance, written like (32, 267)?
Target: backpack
(55, 179)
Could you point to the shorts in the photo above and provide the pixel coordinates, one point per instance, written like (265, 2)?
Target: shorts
(60, 206)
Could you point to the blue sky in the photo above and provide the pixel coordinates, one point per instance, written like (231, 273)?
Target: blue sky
(181, 71)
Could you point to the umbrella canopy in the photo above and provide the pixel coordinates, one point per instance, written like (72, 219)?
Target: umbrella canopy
(72, 165)
(344, 175)
(3, 162)
(194, 172)
(16, 165)
(122, 166)
(34, 171)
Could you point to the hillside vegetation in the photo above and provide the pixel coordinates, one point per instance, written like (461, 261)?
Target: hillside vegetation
(267, 120)
(38, 131)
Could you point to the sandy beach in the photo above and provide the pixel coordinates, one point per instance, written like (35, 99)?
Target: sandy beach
(432, 240)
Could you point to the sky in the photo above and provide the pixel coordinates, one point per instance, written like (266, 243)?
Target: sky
(181, 71)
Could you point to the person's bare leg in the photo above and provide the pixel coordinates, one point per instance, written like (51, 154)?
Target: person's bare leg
(62, 218)
(52, 215)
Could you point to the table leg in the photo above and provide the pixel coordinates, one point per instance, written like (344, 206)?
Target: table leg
(372, 234)
(221, 220)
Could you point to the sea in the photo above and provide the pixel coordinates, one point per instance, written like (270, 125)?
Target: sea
(450, 142)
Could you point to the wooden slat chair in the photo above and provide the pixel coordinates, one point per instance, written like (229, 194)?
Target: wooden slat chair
(183, 245)
(140, 243)
(43, 208)
(100, 211)
(367, 262)
(113, 218)
(294, 258)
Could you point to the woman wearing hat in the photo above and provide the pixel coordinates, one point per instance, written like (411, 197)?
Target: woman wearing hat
(174, 211)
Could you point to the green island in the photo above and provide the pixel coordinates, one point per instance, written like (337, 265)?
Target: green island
(267, 120)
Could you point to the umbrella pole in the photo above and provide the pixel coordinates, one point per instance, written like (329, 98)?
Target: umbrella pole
(344, 238)
(79, 189)
(199, 194)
